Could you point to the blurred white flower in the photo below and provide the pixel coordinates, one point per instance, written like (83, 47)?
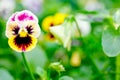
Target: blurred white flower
(83, 24)
(116, 18)
(93, 5)
(33, 5)
(68, 29)
(6, 8)
(63, 33)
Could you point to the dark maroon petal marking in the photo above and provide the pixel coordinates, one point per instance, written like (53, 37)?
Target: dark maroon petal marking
(23, 42)
(51, 24)
(51, 36)
(29, 29)
(15, 30)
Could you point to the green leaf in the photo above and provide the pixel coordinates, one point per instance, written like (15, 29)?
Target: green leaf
(65, 78)
(111, 41)
(57, 66)
(42, 73)
(36, 57)
(5, 75)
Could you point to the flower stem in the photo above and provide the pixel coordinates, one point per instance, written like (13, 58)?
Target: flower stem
(48, 73)
(95, 68)
(118, 67)
(77, 26)
(27, 66)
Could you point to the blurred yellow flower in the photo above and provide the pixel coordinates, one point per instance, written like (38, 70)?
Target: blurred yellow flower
(22, 29)
(49, 37)
(47, 22)
(51, 21)
(59, 18)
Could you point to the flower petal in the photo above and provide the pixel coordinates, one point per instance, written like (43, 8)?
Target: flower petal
(20, 44)
(63, 34)
(35, 28)
(10, 29)
(84, 25)
(50, 37)
(47, 22)
(22, 20)
(59, 18)
(25, 15)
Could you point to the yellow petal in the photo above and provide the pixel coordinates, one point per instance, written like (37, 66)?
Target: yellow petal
(49, 37)
(47, 22)
(59, 18)
(22, 44)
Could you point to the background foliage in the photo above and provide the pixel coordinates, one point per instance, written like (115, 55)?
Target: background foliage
(97, 53)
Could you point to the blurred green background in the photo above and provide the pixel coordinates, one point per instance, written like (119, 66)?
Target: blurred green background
(86, 59)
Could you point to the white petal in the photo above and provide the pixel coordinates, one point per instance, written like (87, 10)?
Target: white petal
(83, 24)
(63, 34)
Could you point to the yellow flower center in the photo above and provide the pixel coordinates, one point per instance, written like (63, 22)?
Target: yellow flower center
(23, 33)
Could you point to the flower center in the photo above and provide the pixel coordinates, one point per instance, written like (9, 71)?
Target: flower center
(23, 42)
(23, 34)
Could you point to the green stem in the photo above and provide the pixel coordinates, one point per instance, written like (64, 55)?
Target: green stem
(96, 68)
(118, 67)
(77, 26)
(27, 66)
(90, 58)
(48, 73)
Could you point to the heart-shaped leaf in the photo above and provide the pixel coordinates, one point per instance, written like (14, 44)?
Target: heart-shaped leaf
(111, 41)
(65, 78)
(5, 75)
(42, 73)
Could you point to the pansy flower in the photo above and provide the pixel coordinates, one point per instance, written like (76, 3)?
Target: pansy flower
(22, 29)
